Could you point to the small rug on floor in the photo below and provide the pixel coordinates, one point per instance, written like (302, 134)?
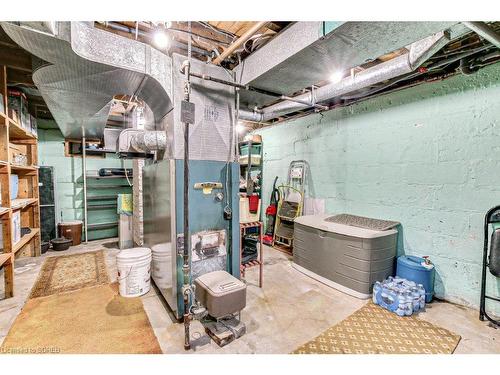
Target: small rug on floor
(374, 330)
(88, 321)
(66, 273)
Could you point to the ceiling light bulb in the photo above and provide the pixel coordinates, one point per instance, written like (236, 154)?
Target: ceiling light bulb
(336, 77)
(240, 128)
(160, 39)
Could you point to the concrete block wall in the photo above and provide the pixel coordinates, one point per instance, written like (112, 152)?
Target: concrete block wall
(427, 156)
(69, 186)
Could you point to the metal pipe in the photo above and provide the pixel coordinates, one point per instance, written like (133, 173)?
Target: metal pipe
(319, 106)
(242, 39)
(233, 84)
(255, 89)
(186, 289)
(417, 54)
(84, 174)
(484, 31)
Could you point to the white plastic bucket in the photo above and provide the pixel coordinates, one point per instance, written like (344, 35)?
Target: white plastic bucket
(134, 271)
(162, 265)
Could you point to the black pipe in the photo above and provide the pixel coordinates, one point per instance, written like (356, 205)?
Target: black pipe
(237, 85)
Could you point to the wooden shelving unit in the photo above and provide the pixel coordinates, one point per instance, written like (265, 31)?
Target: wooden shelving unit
(15, 139)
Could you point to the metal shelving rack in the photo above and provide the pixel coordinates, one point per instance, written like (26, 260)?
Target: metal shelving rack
(246, 171)
(13, 135)
(99, 202)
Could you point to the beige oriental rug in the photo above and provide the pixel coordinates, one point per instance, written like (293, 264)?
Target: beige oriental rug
(71, 272)
(374, 330)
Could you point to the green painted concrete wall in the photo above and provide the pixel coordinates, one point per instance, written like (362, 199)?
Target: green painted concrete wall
(69, 186)
(427, 156)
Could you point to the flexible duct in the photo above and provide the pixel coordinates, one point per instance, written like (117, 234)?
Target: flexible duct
(149, 141)
(417, 54)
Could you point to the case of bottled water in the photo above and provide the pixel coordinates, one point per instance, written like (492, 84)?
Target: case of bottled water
(399, 295)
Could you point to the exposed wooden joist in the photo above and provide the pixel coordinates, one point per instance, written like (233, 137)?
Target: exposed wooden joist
(16, 58)
(22, 77)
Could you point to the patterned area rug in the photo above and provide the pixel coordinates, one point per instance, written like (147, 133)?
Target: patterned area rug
(71, 272)
(374, 330)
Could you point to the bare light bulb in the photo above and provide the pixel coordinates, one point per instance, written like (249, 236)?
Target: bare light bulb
(240, 128)
(336, 77)
(160, 39)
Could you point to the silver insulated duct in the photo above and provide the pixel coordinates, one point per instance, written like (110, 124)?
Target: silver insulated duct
(85, 67)
(417, 54)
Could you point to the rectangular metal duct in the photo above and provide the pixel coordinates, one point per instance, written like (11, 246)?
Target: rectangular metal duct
(87, 67)
(303, 55)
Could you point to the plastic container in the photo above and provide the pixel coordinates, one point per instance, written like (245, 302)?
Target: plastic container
(411, 268)
(255, 150)
(134, 271)
(161, 269)
(71, 230)
(14, 186)
(401, 296)
(61, 243)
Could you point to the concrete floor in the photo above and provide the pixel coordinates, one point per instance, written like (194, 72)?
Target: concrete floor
(288, 311)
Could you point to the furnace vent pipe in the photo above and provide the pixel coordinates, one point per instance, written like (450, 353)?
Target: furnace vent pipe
(484, 31)
(149, 141)
(417, 54)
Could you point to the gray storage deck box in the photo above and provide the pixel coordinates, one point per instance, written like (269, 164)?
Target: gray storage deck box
(221, 293)
(344, 257)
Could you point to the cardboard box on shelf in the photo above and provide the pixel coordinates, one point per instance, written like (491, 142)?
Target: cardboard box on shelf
(18, 102)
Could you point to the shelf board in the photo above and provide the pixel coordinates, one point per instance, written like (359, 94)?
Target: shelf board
(23, 168)
(4, 210)
(16, 204)
(97, 226)
(99, 151)
(17, 132)
(107, 177)
(25, 239)
(101, 206)
(107, 186)
(102, 197)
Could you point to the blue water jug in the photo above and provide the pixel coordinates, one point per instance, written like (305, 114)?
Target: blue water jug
(411, 268)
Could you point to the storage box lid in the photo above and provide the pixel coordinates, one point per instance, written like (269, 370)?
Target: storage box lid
(219, 283)
(318, 222)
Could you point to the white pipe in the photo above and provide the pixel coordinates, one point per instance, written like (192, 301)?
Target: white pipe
(417, 54)
(242, 39)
